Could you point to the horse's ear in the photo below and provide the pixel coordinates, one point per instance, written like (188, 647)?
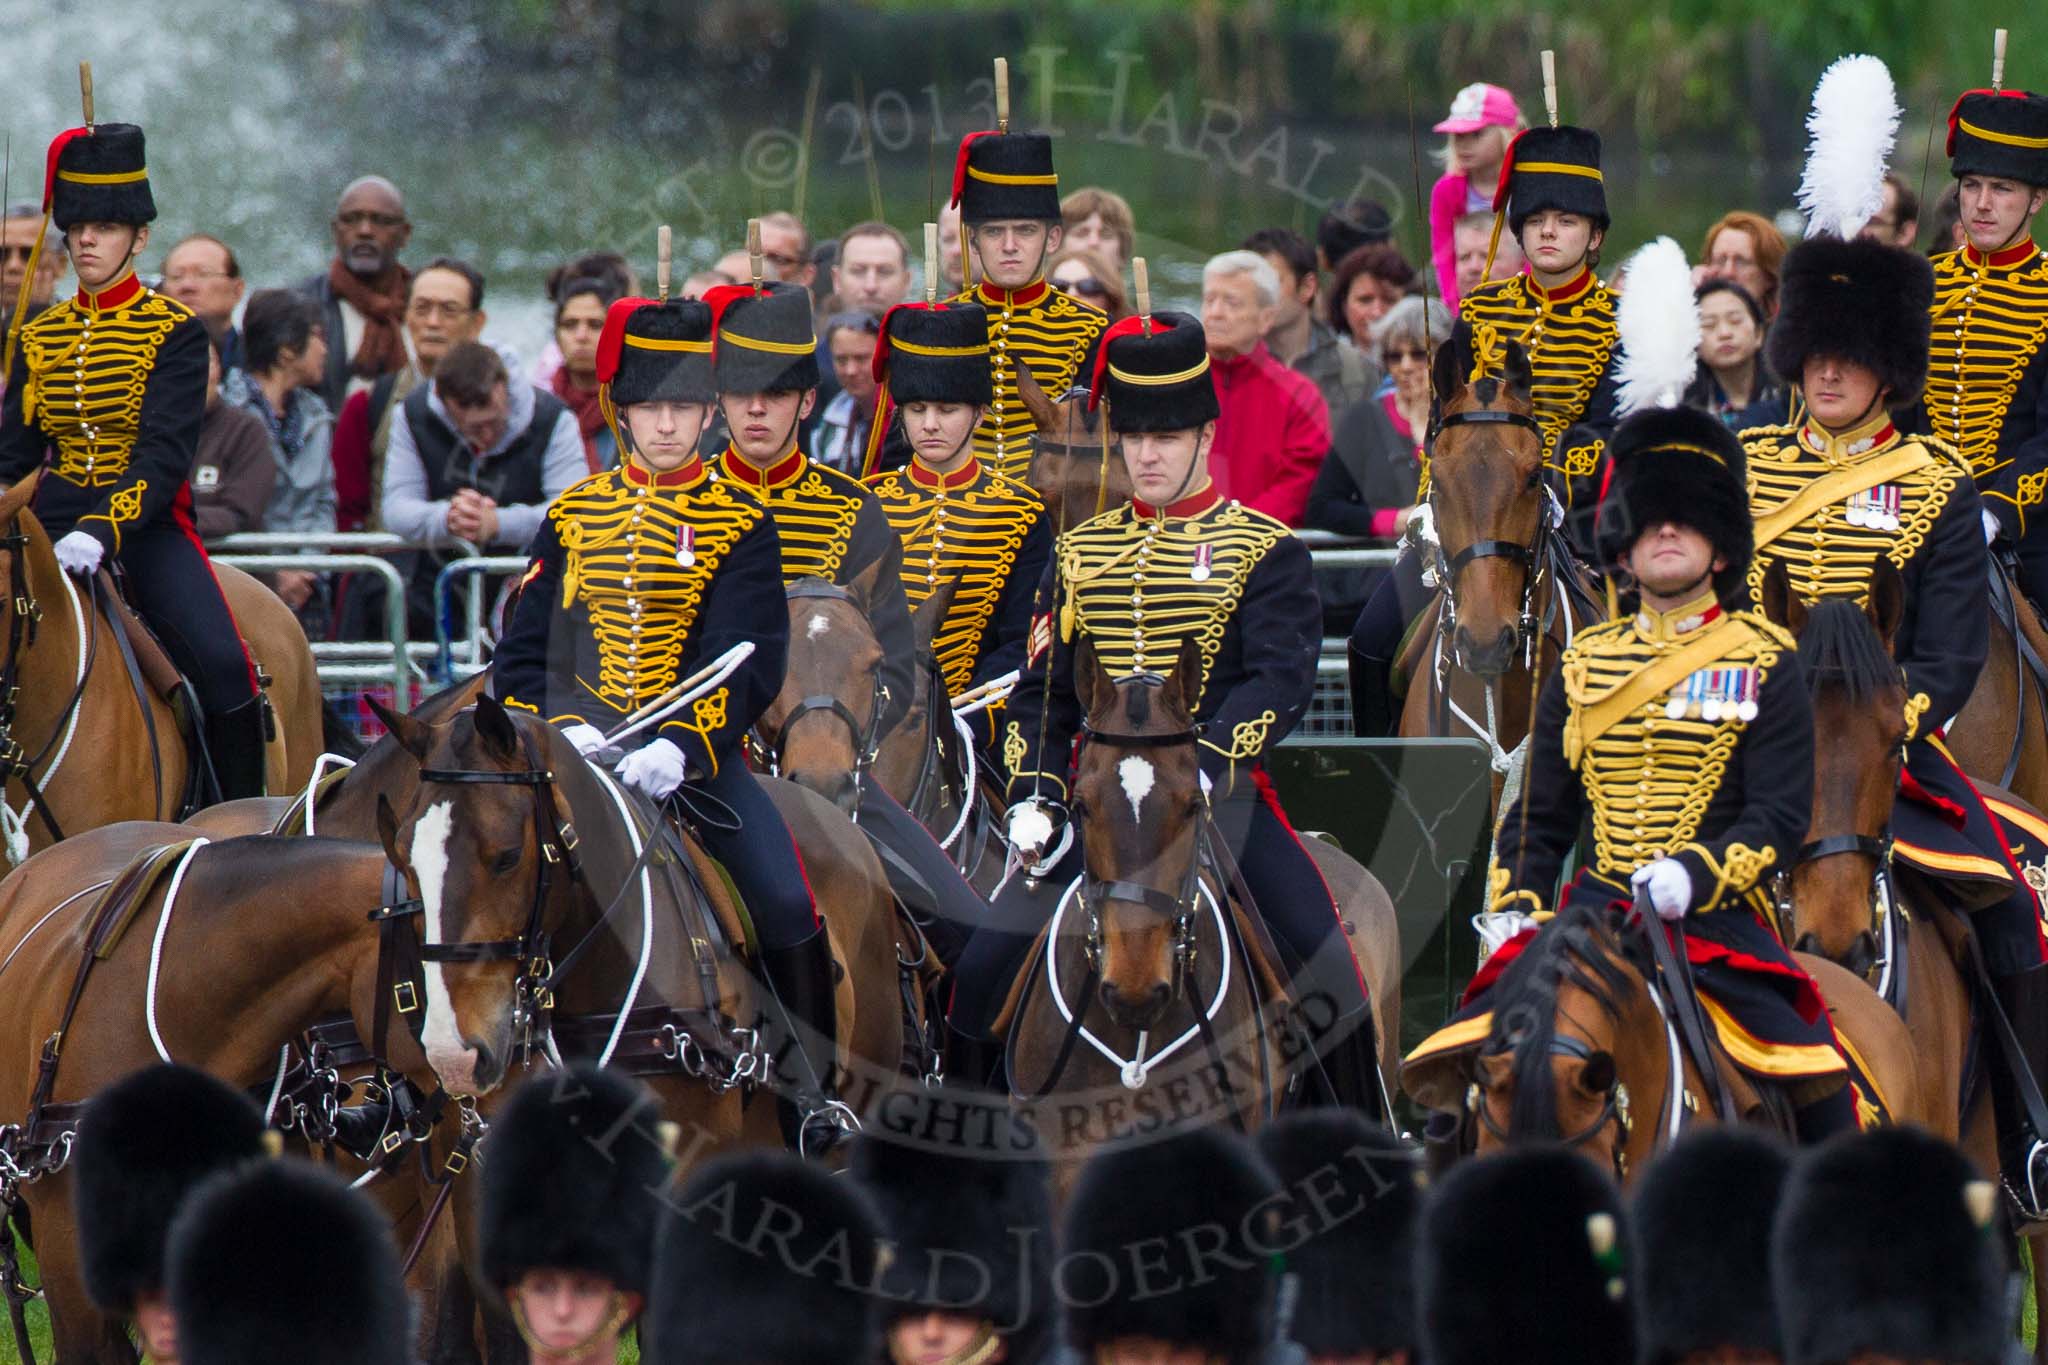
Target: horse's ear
(412, 735)
(1520, 374)
(1184, 684)
(1777, 600)
(1887, 600)
(865, 585)
(17, 497)
(387, 830)
(1444, 372)
(931, 613)
(494, 725)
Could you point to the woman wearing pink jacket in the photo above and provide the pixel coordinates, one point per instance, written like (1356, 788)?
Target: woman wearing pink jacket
(1482, 121)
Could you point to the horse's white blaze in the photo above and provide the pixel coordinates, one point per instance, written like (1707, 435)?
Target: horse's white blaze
(440, 1037)
(1137, 776)
(816, 626)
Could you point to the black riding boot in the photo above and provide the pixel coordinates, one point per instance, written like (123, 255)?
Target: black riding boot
(234, 741)
(2022, 1149)
(1823, 1118)
(803, 1031)
(976, 1063)
(1334, 1019)
(1372, 696)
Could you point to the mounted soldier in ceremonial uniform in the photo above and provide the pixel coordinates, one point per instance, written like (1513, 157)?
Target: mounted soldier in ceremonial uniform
(641, 576)
(1178, 567)
(961, 522)
(1008, 195)
(1987, 377)
(1681, 737)
(1847, 490)
(106, 391)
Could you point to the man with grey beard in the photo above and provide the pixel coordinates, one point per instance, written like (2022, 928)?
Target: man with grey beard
(363, 289)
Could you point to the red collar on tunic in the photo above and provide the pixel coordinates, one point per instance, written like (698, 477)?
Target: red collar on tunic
(925, 477)
(1193, 505)
(679, 477)
(2000, 259)
(113, 296)
(1566, 292)
(783, 471)
(996, 296)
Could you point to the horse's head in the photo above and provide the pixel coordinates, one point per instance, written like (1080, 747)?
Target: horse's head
(1486, 486)
(484, 840)
(901, 757)
(1138, 803)
(1859, 703)
(821, 725)
(1077, 464)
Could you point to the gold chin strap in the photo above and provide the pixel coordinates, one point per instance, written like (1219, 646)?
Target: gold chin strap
(614, 1323)
(985, 1344)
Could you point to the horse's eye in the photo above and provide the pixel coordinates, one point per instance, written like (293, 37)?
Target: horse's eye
(506, 863)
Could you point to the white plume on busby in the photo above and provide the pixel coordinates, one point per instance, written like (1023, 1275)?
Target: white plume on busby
(1658, 323)
(1853, 124)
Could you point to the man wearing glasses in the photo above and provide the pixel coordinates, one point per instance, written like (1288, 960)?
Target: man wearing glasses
(18, 228)
(203, 274)
(363, 289)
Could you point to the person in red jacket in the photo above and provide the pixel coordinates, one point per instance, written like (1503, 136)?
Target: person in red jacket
(1275, 427)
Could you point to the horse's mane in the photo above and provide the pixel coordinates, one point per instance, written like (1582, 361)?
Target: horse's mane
(1841, 649)
(1577, 948)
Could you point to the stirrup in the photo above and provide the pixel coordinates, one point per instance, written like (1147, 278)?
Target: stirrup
(825, 1124)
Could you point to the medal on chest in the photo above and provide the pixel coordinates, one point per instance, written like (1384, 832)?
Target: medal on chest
(1715, 694)
(1876, 509)
(1200, 569)
(686, 545)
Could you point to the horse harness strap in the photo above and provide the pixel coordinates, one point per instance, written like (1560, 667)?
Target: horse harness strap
(2005, 607)
(111, 606)
(1486, 417)
(1879, 848)
(1693, 1029)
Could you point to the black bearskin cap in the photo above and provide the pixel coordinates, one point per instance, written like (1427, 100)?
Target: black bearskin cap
(764, 343)
(1199, 1187)
(765, 1259)
(1877, 1250)
(1525, 1257)
(1128, 357)
(1703, 1240)
(110, 149)
(1859, 301)
(1682, 465)
(574, 1179)
(2002, 134)
(1356, 1190)
(1526, 192)
(142, 1146)
(1029, 187)
(678, 370)
(281, 1261)
(911, 355)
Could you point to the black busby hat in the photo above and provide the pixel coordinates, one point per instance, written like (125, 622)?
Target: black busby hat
(574, 1179)
(1685, 466)
(1885, 1244)
(1702, 1219)
(1357, 1189)
(765, 1259)
(1999, 133)
(1487, 1224)
(762, 342)
(968, 1220)
(935, 353)
(98, 175)
(1196, 1187)
(281, 1261)
(999, 176)
(1155, 374)
(1859, 301)
(142, 1146)
(1552, 168)
(656, 352)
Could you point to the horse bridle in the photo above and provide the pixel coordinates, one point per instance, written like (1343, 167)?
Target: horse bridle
(1614, 1106)
(22, 622)
(1525, 555)
(866, 742)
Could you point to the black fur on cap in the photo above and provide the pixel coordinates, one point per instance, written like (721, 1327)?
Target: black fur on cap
(1002, 176)
(2003, 114)
(109, 149)
(1526, 190)
(281, 1261)
(1661, 474)
(574, 1179)
(765, 1259)
(1357, 1190)
(1508, 1269)
(765, 342)
(1132, 1262)
(143, 1144)
(911, 355)
(1876, 1251)
(662, 373)
(1859, 301)
(969, 1223)
(1703, 1241)
(1159, 380)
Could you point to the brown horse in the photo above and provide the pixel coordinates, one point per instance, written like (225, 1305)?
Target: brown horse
(1510, 594)
(76, 698)
(2001, 734)
(820, 730)
(1076, 464)
(1151, 999)
(205, 969)
(1580, 1052)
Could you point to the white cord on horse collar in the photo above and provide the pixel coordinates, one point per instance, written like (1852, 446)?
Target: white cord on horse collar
(14, 824)
(156, 946)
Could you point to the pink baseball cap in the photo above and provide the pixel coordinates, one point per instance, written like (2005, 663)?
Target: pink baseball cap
(1481, 106)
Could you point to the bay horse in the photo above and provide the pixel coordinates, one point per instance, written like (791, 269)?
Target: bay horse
(1509, 592)
(2001, 734)
(101, 744)
(1076, 463)
(227, 957)
(1151, 998)
(1579, 1051)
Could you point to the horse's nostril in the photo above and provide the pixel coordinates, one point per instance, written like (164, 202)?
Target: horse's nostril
(1806, 943)
(486, 1068)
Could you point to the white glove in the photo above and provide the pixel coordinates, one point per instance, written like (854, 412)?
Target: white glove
(1670, 886)
(654, 769)
(1029, 828)
(79, 553)
(588, 739)
(1990, 524)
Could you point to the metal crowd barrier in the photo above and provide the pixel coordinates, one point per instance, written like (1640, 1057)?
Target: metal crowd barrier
(401, 662)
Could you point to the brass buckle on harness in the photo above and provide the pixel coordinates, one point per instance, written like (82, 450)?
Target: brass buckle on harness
(406, 996)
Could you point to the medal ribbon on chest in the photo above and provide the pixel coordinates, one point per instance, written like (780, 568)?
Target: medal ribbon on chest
(686, 545)
(1715, 694)
(1201, 570)
(1876, 509)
